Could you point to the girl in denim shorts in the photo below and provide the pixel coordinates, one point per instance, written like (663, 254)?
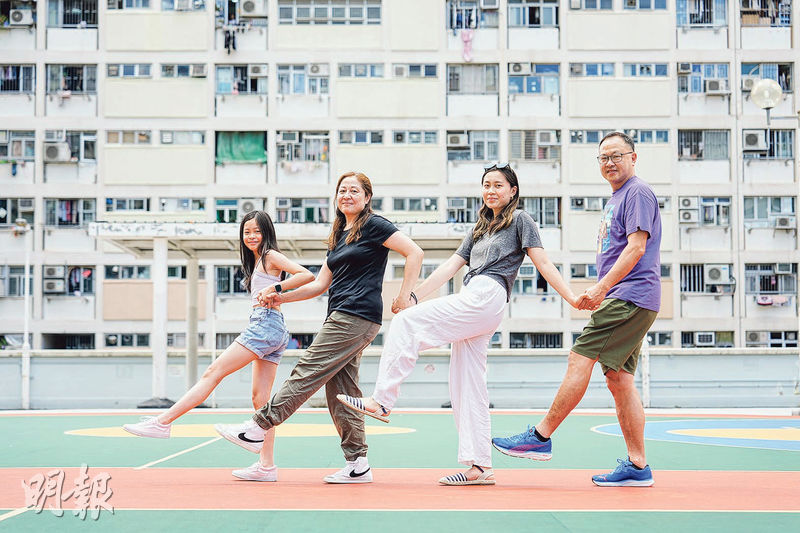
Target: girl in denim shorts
(264, 339)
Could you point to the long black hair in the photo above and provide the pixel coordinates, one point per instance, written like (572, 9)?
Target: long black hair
(269, 241)
(487, 222)
(339, 221)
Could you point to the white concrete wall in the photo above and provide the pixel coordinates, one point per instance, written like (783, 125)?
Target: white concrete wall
(17, 105)
(469, 172)
(654, 163)
(25, 173)
(706, 306)
(482, 39)
(536, 306)
(614, 30)
(68, 308)
(422, 19)
(72, 172)
(472, 105)
(241, 173)
(298, 106)
(77, 105)
(703, 38)
(582, 230)
(755, 38)
(384, 98)
(253, 40)
(551, 238)
(536, 173)
(705, 238)
(699, 104)
(533, 38)
(303, 172)
(784, 109)
(770, 312)
(157, 165)
(769, 239)
(157, 98)
(716, 171)
(12, 309)
(241, 105)
(525, 105)
(68, 240)
(17, 39)
(157, 31)
(335, 37)
(392, 164)
(73, 39)
(604, 97)
(762, 171)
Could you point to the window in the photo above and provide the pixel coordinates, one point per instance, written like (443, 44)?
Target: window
(463, 210)
(128, 4)
(179, 272)
(463, 14)
(82, 144)
(241, 79)
(182, 204)
(302, 210)
(227, 210)
(303, 79)
(12, 280)
(229, 281)
(127, 340)
(398, 271)
(128, 70)
(780, 72)
(587, 136)
(415, 137)
(529, 282)
(415, 204)
(413, 70)
(61, 341)
(69, 212)
(70, 280)
(649, 136)
(587, 203)
(225, 339)
(703, 144)
(360, 137)
(764, 211)
(524, 78)
(578, 70)
(13, 208)
(72, 13)
(645, 4)
(701, 78)
(768, 144)
(532, 145)
(17, 145)
(127, 204)
(659, 338)
(545, 211)
(701, 13)
(472, 146)
(182, 137)
(766, 13)
(329, 12)
(713, 210)
(583, 270)
(709, 278)
(17, 79)
(771, 278)
(312, 146)
(532, 13)
(183, 70)
(496, 341)
(706, 339)
(127, 272)
(241, 147)
(360, 70)
(472, 79)
(771, 339)
(178, 340)
(644, 70)
(81, 79)
(535, 340)
(128, 137)
(597, 4)
(183, 5)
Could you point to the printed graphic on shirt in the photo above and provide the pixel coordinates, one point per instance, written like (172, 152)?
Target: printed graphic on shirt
(603, 238)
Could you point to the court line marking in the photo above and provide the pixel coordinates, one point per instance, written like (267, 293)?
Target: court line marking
(557, 510)
(187, 450)
(13, 513)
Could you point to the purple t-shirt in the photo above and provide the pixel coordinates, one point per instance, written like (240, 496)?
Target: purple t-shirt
(632, 207)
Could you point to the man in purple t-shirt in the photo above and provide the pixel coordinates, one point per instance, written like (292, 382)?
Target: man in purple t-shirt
(625, 300)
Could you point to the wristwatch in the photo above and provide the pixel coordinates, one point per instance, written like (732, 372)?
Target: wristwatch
(277, 287)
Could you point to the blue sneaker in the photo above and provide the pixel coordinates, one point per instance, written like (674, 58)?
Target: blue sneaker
(525, 445)
(625, 475)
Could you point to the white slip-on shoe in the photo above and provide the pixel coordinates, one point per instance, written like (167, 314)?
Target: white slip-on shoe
(257, 472)
(248, 435)
(149, 427)
(357, 471)
(358, 404)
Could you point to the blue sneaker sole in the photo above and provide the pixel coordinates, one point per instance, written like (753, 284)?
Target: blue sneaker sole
(625, 483)
(536, 456)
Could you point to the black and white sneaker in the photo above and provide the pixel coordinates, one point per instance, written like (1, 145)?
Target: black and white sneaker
(357, 471)
(248, 435)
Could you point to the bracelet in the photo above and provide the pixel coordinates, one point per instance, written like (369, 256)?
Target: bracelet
(414, 296)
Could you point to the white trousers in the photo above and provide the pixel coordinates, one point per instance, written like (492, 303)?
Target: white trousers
(467, 320)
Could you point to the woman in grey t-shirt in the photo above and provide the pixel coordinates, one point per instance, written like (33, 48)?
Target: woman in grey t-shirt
(494, 251)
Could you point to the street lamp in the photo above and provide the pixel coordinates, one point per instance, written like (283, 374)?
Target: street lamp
(21, 227)
(766, 94)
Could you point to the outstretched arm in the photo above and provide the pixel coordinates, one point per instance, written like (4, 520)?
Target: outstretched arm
(402, 244)
(440, 276)
(552, 275)
(307, 291)
(633, 251)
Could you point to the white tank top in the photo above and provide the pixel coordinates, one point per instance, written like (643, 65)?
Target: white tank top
(259, 281)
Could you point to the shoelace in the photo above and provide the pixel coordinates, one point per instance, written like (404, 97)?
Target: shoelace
(148, 419)
(521, 436)
(623, 463)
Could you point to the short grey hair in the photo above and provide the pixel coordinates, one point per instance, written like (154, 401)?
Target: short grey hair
(624, 136)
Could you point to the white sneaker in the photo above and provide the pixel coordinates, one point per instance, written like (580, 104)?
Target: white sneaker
(357, 471)
(149, 427)
(257, 472)
(248, 435)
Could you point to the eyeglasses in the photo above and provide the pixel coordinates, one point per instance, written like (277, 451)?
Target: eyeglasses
(496, 164)
(616, 158)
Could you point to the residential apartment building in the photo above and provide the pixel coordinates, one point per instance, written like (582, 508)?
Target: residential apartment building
(188, 111)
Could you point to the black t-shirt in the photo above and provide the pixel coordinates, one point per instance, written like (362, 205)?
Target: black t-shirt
(358, 269)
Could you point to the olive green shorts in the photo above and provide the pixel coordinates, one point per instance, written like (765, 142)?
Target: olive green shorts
(614, 335)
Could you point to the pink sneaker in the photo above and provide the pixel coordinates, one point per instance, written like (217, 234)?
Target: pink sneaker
(149, 427)
(257, 472)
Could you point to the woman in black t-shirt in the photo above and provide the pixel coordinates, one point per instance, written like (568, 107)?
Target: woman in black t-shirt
(358, 247)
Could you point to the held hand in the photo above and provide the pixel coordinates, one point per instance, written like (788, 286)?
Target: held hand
(264, 293)
(593, 297)
(400, 303)
(575, 301)
(272, 299)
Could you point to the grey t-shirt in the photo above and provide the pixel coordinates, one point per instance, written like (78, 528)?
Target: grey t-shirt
(500, 254)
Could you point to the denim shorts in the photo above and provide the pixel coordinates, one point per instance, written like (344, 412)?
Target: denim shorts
(266, 335)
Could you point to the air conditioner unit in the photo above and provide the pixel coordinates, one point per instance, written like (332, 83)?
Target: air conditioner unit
(25, 205)
(578, 203)
(400, 71)
(53, 286)
(748, 82)
(519, 68)
(20, 17)
(246, 205)
(576, 69)
(684, 68)
(759, 337)
(319, 69)
(754, 139)
(783, 222)
(546, 138)
(716, 87)
(457, 203)
(199, 70)
(688, 202)
(717, 274)
(54, 271)
(290, 136)
(54, 135)
(54, 152)
(594, 204)
(253, 8)
(283, 203)
(689, 216)
(704, 338)
(183, 5)
(783, 268)
(3, 136)
(257, 71)
(579, 270)
(490, 4)
(457, 139)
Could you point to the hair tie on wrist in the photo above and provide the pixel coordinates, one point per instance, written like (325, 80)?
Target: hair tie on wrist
(414, 296)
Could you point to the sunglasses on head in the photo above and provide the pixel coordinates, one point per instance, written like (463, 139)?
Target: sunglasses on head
(496, 164)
